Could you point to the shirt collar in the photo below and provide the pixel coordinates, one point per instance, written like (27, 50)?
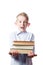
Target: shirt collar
(18, 32)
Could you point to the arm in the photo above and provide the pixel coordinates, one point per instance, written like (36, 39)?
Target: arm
(12, 52)
(32, 53)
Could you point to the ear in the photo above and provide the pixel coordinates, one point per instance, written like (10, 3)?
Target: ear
(28, 24)
(15, 23)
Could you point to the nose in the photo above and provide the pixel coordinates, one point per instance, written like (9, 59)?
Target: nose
(22, 23)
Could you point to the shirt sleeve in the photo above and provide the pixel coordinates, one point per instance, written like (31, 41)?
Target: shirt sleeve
(11, 39)
(33, 39)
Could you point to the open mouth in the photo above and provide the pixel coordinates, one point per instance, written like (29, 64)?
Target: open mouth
(22, 27)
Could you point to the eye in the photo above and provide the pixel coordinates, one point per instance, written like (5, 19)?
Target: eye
(20, 21)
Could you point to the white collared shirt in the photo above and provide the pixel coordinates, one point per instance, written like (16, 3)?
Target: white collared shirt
(22, 36)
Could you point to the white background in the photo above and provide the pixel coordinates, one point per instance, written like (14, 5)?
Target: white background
(8, 11)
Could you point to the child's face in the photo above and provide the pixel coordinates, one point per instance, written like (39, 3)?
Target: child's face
(22, 23)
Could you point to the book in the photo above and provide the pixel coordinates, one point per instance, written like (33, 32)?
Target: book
(11, 52)
(23, 43)
(21, 51)
(23, 47)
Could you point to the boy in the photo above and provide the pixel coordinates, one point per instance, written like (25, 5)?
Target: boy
(22, 35)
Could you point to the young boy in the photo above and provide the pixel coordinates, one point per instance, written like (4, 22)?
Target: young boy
(22, 35)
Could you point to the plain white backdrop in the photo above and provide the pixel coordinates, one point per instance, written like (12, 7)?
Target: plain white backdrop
(8, 11)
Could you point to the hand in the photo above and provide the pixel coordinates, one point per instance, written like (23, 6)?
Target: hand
(13, 52)
(30, 53)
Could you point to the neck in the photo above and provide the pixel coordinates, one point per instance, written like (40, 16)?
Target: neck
(22, 30)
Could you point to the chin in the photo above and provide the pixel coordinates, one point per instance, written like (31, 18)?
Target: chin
(22, 30)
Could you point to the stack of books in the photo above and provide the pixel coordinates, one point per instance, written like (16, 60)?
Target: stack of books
(23, 47)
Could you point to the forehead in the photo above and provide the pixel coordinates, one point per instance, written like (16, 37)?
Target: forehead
(21, 18)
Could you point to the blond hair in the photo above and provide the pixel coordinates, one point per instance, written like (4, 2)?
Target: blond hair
(23, 14)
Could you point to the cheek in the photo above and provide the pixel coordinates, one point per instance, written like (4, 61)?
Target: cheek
(18, 25)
